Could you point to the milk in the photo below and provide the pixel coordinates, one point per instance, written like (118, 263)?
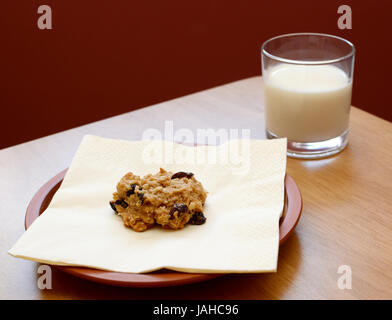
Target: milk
(307, 103)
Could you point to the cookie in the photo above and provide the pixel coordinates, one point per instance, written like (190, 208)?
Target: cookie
(169, 199)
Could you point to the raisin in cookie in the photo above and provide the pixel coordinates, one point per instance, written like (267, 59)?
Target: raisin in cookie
(171, 200)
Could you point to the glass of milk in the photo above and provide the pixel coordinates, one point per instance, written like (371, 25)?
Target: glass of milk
(307, 92)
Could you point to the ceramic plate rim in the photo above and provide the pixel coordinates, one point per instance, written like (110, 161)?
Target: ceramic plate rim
(41, 199)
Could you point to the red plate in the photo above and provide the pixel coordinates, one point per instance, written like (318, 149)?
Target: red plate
(162, 278)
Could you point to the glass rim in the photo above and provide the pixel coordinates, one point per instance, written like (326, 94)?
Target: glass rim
(304, 62)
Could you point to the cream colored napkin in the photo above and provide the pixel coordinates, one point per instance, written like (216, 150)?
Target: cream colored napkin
(245, 181)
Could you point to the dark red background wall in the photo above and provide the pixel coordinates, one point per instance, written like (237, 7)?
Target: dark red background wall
(104, 58)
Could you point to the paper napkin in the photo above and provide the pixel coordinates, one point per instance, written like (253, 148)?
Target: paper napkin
(245, 184)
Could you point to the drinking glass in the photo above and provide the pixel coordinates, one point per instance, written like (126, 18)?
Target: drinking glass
(307, 92)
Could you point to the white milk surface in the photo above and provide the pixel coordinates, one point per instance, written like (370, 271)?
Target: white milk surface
(307, 103)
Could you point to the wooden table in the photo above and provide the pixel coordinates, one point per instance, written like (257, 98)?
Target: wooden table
(346, 218)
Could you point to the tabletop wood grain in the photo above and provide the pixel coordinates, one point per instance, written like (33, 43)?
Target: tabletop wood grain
(346, 219)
